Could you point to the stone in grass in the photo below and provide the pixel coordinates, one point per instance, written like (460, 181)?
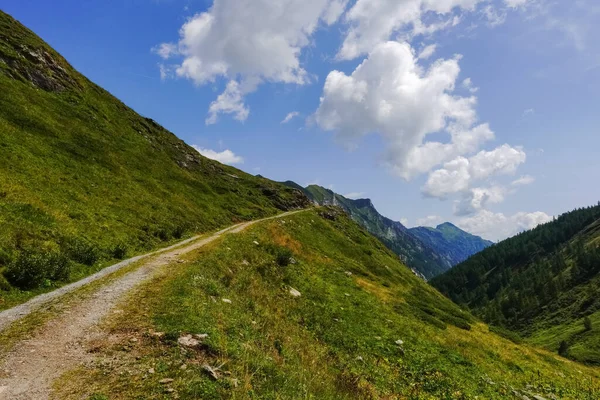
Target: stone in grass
(256, 243)
(211, 371)
(294, 292)
(165, 381)
(226, 301)
(191, 341)
(399, 342)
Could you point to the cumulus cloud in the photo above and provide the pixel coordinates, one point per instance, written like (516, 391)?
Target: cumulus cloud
(225, 156)
(497, 226)
(249, 42)
(389, 93)
(290, 116)
(430, 220)
(479, 198)
(460, 174)
(231, 101)
(375, 21)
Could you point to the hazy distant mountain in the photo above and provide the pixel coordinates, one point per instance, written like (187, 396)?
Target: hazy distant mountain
(451, 242)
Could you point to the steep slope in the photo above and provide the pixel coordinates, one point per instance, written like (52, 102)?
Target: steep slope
(451, 242)
(542, 284)
(311, 306)
(85, 180)
(422, 258)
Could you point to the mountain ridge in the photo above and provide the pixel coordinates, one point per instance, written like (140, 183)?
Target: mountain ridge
(425, 255)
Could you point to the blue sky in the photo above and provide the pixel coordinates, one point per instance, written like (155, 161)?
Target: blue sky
(529, 69)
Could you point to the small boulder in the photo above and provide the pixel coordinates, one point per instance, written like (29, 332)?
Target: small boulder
(151, 371)
(226, 301)
(399, 342)
(192, 340)
(256, 243)
(294, 292)
(165, 381)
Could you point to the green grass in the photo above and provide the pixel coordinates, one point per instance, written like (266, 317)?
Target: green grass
(85, 177)
(337, 340)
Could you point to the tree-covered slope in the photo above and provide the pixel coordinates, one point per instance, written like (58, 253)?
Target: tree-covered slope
(542, 283)
(419, 256)
(316, 308)
(451, 242)
(84, 179)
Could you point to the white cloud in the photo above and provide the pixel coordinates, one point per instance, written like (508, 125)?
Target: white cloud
(468, 84)
(516, 3)
(231, 101)
(497, 226)
(375, 21)
(493, 15)
(427, 51)
(165, 50)
(404, 221)
(248, 42)
(290, 116)
(459, 174)
(523, 181)
(389, 93)
(478, 198)
(354, 195)
(225, 156)
(529, 111)
(430, 220)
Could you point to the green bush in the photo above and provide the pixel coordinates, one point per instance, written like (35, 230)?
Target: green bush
(283, 255)
(32, 269)
(563, 348)
(119, 251)
(82, 251)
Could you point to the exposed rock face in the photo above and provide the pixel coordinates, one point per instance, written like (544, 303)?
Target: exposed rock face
(39, 67)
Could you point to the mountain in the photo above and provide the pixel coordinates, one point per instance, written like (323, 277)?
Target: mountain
(85, 180)
(451, 242)
(308, 305)
(315, 308)
(542, 284)
(419, 256)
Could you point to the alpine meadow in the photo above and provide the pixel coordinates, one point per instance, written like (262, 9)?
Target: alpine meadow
(198, 251)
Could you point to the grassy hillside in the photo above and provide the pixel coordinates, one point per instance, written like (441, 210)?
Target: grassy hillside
(415, 253)
(362, 327)
(542, 284)
(85, 180)
(451, 242)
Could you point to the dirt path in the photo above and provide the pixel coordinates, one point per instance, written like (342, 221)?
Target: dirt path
(28, 371)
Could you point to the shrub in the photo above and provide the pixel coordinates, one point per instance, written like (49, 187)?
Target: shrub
(119, 251)
(587, 324)
(283, 257)
(178, 232)
(33, 269)
(563, 348)
(83, 251)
